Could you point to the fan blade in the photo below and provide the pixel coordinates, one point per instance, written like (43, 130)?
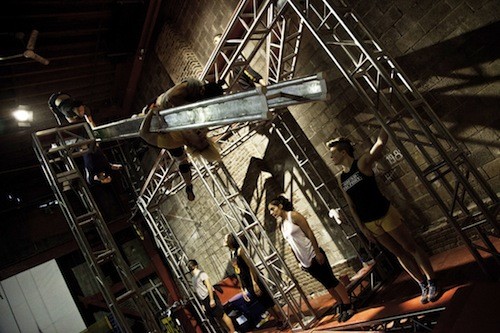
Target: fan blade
(32, 55)
(32, 40)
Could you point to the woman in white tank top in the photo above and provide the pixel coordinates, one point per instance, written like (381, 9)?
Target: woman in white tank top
(311, 257)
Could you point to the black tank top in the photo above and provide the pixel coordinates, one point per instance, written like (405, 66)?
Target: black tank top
(244, 271)
(369, 203)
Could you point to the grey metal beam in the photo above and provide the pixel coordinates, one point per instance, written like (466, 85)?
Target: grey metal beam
(239, 107)
(244, 106)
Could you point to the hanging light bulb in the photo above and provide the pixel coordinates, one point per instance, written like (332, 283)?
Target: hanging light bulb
(23, 115)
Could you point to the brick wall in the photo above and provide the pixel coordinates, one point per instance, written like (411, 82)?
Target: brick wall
(446, 49)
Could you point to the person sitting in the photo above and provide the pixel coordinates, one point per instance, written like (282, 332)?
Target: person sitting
(188, 91)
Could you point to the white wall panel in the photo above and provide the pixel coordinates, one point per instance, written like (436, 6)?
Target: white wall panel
(38, 300)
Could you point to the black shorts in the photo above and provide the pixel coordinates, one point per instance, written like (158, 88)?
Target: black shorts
(322, 273)
(217, 311)
(176, 152)
(265, 299)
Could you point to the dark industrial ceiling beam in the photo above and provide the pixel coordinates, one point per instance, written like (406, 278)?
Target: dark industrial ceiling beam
(147, 31)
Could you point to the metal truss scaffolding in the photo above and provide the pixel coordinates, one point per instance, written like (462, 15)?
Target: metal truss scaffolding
(463, 195)
(241, 220)
(419, 321)
(127, 153)
(57, 150)
(159, 184)
(383, 268)
(465, 198)
(283, 44)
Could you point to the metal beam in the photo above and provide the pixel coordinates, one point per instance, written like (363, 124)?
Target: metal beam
(239, 107)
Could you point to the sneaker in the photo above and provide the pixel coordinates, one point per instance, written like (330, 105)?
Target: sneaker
(264, 319)
(433, 291)
(281, 325)
(349, 313)
(346, 312)
(341, 312)
(425, 292)
(189, 192)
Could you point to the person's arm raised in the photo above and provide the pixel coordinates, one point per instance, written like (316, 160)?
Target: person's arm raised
(144, 131)
(367, 160)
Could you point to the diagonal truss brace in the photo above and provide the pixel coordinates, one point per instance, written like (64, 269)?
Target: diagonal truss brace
(241, 220)
(175, 255)
(462, 194)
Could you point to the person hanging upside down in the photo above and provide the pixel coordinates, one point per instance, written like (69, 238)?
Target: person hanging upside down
(188, 91)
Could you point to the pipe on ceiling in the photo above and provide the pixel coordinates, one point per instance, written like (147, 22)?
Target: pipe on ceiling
(147, 31)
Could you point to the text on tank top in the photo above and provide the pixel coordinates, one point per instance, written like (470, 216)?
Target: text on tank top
(300, 244)
(369, 203)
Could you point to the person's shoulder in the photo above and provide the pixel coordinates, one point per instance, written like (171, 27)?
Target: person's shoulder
(296, 215)
(241, 253)
(364, 155)
(365, 163)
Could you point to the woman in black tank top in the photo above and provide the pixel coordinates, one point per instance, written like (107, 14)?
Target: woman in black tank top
(376, 218)
(249, 280)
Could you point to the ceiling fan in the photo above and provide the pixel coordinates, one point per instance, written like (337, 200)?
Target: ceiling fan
(29, 53)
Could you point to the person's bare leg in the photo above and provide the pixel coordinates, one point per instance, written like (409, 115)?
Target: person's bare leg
(429, 287)
(405, 259)
(276, 312)
(342, 292)
(335, 295)
(228, 322)
(403, 236)
(185, 170)
(342, 297)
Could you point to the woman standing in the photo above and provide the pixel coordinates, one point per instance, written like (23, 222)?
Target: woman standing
(377, 219)
(250, 282)
(311, 257)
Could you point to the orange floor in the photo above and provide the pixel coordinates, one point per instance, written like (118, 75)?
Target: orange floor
(470, 299)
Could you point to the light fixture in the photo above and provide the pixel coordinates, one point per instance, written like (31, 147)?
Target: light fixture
(23, 116)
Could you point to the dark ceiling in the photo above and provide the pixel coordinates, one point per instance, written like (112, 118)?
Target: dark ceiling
(91, 47)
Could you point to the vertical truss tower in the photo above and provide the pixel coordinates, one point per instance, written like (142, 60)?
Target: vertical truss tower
(57, 150)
